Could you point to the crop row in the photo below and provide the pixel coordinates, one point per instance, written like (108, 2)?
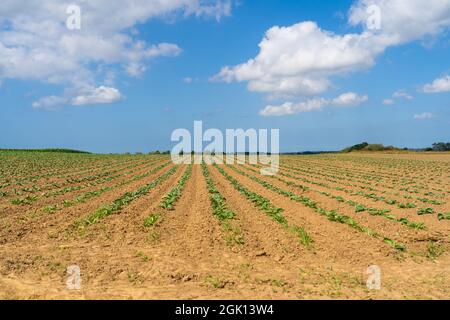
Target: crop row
(52, 193)
(369, 195)
(266, 206)
(172, 197)
(124, 200)
(344, 173)
(96, 193)
(347, 175)
(55, 185)
(92, 182)
(332, 215)
(221, 211)
(136, 167)
(169, 200)
(358, 207)
(62, 169)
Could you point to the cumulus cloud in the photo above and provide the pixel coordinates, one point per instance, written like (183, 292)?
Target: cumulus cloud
(100, 95)
(289, 108)
(424, 116)
(301, 59)
(438, 85)
(402, 95)
(315, 104)
(80, 97)
(349, 99)
(403, 21)
(36, 44)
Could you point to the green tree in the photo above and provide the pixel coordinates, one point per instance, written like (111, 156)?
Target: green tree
(441, 146)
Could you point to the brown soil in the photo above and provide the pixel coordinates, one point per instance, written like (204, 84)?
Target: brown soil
(187, 254)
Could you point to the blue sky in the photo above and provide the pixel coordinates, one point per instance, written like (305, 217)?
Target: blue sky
(143, 109)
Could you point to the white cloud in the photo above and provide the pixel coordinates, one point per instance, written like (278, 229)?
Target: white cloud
(402, 95)
(301, 59)
(85, 96)
(100, 95)
(190, 80)
(36, 44)
(349, 99)
(424, 116)
(388, 102)
(49, 103)
(438, 85)
(404, 21)
(316, 104)
(135, 69)
(289, 108)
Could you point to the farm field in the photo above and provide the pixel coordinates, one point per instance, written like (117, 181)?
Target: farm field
(141, 227)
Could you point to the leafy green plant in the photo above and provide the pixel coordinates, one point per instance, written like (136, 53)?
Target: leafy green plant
(435, 202)
(413, 225)
(67, 203)
(24, 201)
(142, 255)
(406, 205)
(50, 209)
(444, 216)
(305, 238)
(215, 282)
(394, 244)
(233, 234)
(172, 197)
(151, 220)
(424, 211)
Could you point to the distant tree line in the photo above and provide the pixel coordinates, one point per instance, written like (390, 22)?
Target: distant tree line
(439, 147)
(47, 150)
(370, 147)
